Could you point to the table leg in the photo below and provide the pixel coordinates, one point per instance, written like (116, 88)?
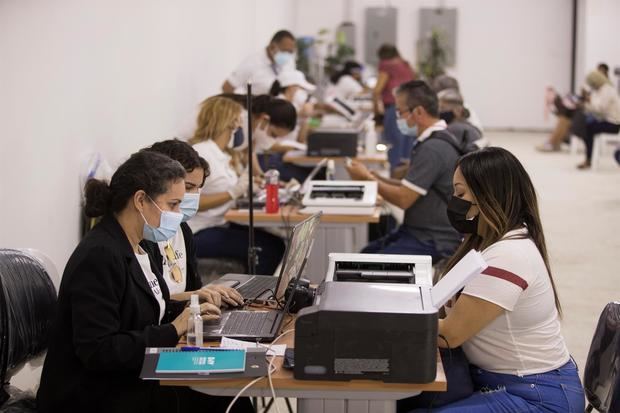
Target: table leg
(345, 406)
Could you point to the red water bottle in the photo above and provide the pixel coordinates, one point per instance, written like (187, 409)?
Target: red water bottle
(272, 203)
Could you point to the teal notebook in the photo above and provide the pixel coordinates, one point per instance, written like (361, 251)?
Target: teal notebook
(205, 361)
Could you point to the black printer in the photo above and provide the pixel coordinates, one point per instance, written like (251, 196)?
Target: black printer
(374, 330)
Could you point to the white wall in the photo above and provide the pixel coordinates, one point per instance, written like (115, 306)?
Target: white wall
(600, 36)
(508, 51)
(111, 76)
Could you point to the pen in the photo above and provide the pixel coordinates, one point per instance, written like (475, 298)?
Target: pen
(192, 348)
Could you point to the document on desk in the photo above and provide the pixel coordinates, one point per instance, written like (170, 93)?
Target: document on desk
(276, 349)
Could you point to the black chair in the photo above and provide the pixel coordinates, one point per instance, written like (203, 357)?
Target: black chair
(27, 308)
(602, 374)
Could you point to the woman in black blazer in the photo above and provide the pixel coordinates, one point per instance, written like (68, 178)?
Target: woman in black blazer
(111, 305)
(176, 258)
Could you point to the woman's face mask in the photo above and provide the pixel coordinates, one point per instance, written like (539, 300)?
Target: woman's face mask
(169, 222)
(189, 205)
(457, 214)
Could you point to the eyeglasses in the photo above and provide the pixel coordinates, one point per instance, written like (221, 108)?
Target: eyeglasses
(171, 261)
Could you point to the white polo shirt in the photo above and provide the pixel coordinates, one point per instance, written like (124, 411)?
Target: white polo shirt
(526, 338)
(347, 87)
(260, 70)
(222, 178)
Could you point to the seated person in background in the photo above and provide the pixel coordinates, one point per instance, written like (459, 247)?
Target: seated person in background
(426, 189)
(507, 319)
(293, 87)
(443, 82)
(566, 108)
(347, 83)
(456, 116)
(273, 120)
(176, 257)
(113, 303)
(602, 107)
(217, 122)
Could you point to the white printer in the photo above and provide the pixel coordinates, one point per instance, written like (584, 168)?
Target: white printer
(340, 197)
(381, 268)
(377, 331)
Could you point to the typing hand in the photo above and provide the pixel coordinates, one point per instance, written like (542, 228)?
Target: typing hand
(240, 188)
(228, 295)
(358, 171)
(208, 312)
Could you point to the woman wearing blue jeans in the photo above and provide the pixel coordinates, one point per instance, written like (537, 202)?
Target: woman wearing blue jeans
(506, 319)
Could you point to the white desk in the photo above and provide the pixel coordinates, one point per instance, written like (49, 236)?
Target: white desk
(335, 233)
(377, 161)
(313, 396)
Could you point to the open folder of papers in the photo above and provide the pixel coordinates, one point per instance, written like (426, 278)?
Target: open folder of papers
(208, 363)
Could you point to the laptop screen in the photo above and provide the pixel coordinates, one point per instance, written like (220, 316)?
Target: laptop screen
(306, 185)
(297, 250)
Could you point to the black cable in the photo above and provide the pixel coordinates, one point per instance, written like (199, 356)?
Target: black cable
(254, 299)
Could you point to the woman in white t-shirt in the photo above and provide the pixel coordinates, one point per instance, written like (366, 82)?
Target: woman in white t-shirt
(217, 122)
(347, 83)
(507, 319)
(176, 257)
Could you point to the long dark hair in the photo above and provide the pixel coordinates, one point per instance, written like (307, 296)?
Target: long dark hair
(507, 201)
(347, 69)
(149, 171)
(281, 112)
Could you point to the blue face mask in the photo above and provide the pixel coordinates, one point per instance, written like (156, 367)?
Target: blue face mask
(282, 58)
(169, 222)
(189, 205)
(405, 129)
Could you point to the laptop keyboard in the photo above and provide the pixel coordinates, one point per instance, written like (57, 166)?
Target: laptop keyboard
(245, 322)
(256, 286)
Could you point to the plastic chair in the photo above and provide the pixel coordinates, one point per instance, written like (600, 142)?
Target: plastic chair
(602, 374)
(601, 142)
(27, 307)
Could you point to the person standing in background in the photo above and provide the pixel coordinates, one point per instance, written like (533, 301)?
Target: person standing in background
(262, 68)
(393, 71)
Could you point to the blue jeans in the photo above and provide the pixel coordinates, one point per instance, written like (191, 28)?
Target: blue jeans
(556, 391)
(401, 145)
(232, 242)
(401, 241)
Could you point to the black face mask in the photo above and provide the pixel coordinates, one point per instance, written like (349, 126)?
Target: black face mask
(457, 214)
(448, 116)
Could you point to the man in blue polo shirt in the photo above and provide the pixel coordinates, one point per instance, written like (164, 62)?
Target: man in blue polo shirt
(427, 186)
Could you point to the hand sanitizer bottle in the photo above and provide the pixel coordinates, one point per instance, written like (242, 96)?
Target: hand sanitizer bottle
(194, 323)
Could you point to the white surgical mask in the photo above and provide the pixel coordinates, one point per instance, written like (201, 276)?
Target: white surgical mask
(281, 58)
(405, 129)
(169, 222)
(189, 205)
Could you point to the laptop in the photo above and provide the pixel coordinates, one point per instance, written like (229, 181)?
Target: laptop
(261, 325)
(263, 287)
(284, 195)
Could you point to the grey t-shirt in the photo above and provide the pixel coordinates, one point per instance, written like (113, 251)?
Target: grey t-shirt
(430, 174)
